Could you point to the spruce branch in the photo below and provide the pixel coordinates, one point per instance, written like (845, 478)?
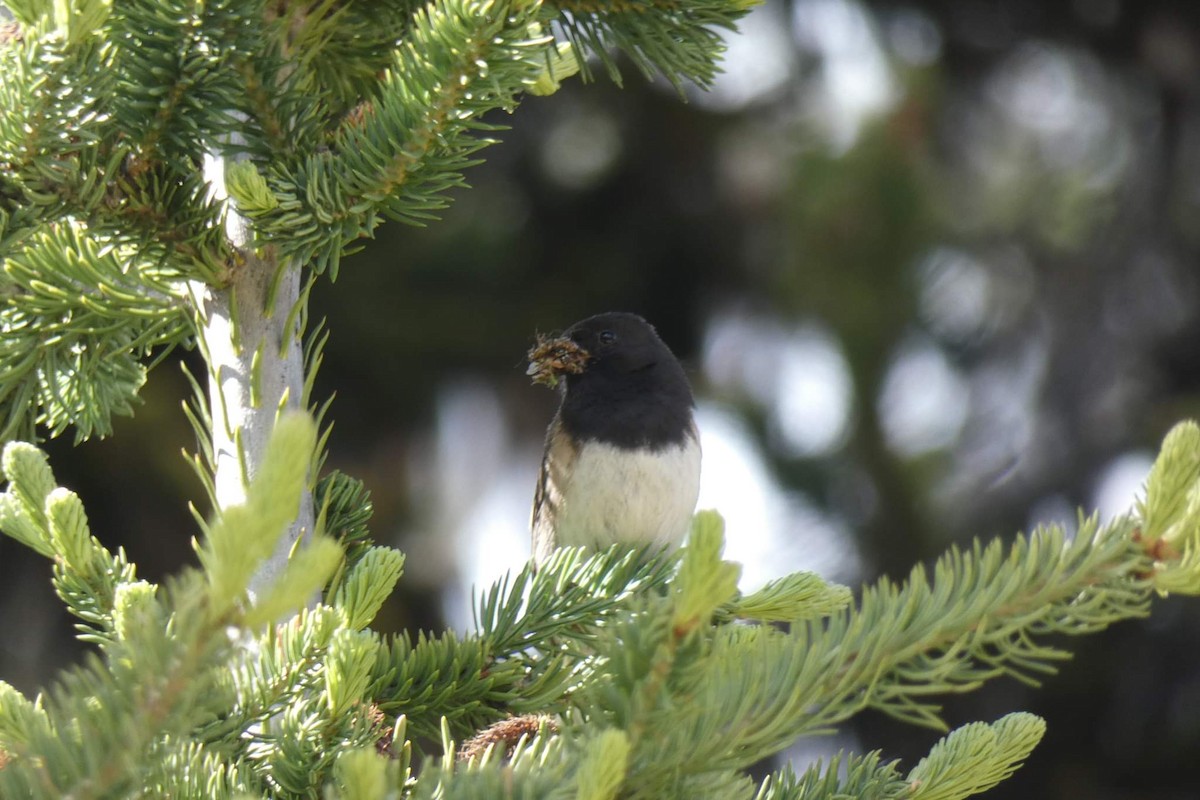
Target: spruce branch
(368, 584)
(284, 665)
(166, 653)
(975, 757)
(82, 316)
(364, 774)
(460, 59)
(23, 504)
(719, 698)
(801, 595)
(171, 60)
(73, 21)
(602, 766)
(678, 40)
(536, 767)
(51, 102)
(1170, 512)
(965, 763)
(863, 777)
(298, 753)
(532, 648)
(445, 678)
(567, 597)
(561, 63)
(306, 572)
(188, 769)
(336, 51)
(968, 761)
(271, 124)
(87, 577)
(163, 212)
(344, 509)
(22, 723)
(704, 582)
(63, 164)
(51, 521)
(151, 688)
(248, 534)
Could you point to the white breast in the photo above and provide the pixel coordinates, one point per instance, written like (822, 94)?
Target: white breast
(617, 495)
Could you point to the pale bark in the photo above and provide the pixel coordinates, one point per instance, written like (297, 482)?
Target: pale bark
(256, 370)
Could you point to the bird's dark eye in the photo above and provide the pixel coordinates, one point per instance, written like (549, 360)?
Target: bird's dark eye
(607, 337)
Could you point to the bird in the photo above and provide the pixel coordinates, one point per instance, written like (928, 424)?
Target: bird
(622, 453)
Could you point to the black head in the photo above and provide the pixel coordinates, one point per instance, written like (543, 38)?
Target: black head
(618, 343)
(632, 390)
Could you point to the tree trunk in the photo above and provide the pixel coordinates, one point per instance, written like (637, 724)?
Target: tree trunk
(255, 357)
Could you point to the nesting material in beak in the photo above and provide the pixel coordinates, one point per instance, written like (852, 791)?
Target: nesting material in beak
(549, 358)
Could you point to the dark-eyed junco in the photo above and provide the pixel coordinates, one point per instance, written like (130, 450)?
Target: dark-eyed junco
(622, 459)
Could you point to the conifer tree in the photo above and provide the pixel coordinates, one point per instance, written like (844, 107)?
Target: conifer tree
(179, 173)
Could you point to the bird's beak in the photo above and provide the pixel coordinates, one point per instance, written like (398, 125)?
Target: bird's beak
(551, 358)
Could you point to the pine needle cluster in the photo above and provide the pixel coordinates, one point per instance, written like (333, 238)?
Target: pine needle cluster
(617, 674)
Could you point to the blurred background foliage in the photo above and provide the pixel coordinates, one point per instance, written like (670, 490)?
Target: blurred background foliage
(931, 266)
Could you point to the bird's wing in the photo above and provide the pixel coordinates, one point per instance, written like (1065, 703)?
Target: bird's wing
(557, 460)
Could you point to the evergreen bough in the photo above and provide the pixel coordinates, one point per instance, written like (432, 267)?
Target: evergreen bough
(179, 173)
